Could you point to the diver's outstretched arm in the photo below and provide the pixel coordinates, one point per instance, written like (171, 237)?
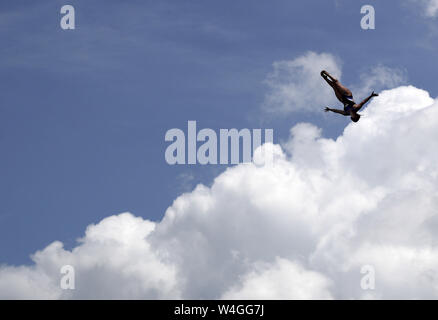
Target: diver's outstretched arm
(360, 105)
(327, 109)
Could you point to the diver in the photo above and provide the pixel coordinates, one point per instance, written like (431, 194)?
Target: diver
(346, 97)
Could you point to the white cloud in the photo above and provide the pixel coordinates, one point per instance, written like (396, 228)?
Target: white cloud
(113, 260)
(302, 228)
(281, 280)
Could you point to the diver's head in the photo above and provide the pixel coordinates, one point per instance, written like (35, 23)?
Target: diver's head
(355, 117)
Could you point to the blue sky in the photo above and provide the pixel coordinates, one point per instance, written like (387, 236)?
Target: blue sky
(83, 112)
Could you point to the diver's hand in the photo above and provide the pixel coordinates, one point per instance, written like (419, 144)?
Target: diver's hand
(373, 94)
(327, 109)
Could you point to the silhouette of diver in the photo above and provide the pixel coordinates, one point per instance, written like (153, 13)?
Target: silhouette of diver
(346, 97)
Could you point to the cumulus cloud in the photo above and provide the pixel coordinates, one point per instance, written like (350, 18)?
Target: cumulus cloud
(301, 228)
(296, 85)
(281, 280)
(112, 260)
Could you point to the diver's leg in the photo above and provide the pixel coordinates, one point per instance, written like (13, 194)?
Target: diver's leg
(325, 74)
(325, 77)
(334, 83)
(343, 90)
